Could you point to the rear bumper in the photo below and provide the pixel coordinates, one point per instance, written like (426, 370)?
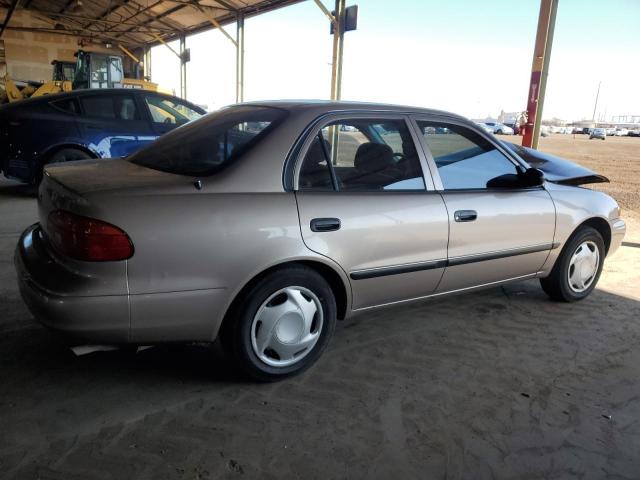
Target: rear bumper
(618, 229)
(100, 318)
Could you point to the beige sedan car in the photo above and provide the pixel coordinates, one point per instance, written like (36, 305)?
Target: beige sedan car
(263, 223)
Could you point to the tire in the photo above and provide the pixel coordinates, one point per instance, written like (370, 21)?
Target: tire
(558, 285)
(59, 156)
(283, 290)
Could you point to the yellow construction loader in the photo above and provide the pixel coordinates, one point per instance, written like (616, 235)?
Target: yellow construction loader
(91, 70)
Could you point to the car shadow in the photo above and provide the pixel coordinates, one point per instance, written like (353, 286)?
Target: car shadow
(15, 190)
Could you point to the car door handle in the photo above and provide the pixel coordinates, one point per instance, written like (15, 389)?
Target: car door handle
(325, 224)
(465, 215)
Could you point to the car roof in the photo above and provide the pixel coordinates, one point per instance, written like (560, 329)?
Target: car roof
(90, 91)
(337, 106)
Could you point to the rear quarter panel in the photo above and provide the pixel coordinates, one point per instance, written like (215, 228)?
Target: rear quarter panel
(195, 251)
(32, 133)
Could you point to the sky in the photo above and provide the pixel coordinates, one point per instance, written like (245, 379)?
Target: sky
(471, 57)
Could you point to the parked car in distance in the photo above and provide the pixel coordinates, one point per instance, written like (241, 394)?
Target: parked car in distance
(515, 127)
(610, 132)
(84, 124)
(600, 133)
(499, 128)
(634, 133)
(485, 127)
(621, 132)
(248, 226)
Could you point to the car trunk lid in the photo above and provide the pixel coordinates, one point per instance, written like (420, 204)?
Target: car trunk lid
(79, 187)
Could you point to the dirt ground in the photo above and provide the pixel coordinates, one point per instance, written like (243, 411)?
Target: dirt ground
(497, 384)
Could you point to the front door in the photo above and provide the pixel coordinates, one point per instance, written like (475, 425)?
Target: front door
(364, 202)
(498, 230)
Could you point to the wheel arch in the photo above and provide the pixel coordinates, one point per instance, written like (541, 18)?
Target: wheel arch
(601, 226)
(329, 273)
(56, 148)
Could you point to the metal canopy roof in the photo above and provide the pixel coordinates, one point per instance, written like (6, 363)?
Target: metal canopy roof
(135, 22)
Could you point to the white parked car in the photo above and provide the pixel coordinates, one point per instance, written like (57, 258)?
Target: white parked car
(621, 132)
(485, 127)
(499, 128)
(610, 132)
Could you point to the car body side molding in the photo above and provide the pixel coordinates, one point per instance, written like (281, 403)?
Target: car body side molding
(454, 261)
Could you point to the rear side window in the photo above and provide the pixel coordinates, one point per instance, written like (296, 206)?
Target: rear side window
(206, 146)
(115, 107)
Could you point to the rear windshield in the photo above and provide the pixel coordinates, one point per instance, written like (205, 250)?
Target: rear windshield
(205, 146)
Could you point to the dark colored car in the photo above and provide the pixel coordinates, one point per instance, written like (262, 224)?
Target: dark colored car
(84, 124)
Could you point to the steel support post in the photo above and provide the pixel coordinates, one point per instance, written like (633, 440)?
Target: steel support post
(147, 63)
(240, 58)
(183, 68)
(534, 114)
(338, 48)
(545, 72)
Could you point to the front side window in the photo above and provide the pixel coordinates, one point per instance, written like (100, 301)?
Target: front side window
(362, 155)
(464, 159)
(206, 146)
(115, 71)
(166, 110)
(99, 72)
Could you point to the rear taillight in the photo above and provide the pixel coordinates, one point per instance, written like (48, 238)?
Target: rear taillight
(87, 239)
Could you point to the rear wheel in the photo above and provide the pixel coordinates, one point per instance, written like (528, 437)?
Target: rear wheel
(281, 325)
(577, 270)
(59, 156)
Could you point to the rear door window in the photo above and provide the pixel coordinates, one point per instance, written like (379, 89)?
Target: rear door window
(114, 107)
(67, 105)
(363, 155)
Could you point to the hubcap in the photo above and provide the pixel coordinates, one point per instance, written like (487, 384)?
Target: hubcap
(583, 266)
(287, 326)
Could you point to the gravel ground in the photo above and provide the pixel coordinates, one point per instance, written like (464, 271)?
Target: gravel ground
(497, 384)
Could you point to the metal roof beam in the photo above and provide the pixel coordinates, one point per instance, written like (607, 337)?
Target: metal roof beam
(7, 18)
(213, 21)
(108, 11)
(54, 15)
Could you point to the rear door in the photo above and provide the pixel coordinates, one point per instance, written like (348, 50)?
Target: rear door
(364, 202)
(112, 124)
(496, 233)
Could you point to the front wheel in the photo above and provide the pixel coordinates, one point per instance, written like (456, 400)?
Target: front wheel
(281, 325)
(577, 270)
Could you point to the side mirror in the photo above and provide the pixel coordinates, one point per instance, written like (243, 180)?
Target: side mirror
(531, 177)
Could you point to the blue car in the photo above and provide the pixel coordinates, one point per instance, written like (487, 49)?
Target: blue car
(84, 124)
